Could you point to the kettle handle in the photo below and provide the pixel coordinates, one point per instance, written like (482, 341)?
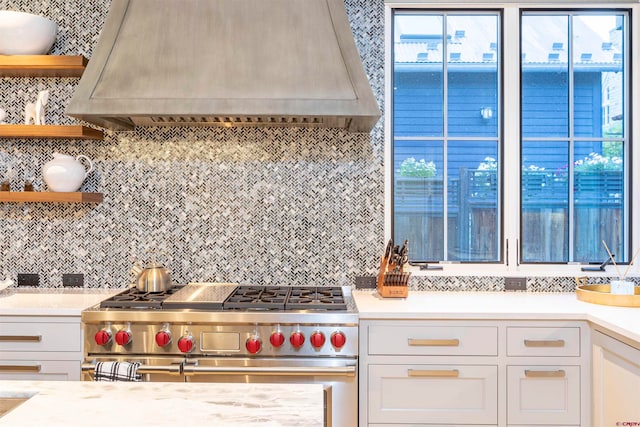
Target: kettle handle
(82, 156)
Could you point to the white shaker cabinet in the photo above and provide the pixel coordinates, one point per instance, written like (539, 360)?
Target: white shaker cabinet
(474, 372)
(40, 348)
(428, 372)
(616, 381)
(546, 374)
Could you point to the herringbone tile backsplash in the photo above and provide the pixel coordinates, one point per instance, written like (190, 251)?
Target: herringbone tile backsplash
(254, 206)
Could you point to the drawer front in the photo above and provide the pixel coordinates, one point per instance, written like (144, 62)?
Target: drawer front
(547, 395)
(433, 340)
(40, 337)
(40, 370)
(543, 341)
(433, 394)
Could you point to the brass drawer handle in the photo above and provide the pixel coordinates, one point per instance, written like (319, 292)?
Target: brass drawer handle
(436, 373)
(544, 374)
(544, 343)
(19, 368)
(20, 338)
(434, 343)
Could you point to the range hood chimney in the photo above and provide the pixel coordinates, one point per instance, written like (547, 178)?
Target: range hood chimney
(226, 63)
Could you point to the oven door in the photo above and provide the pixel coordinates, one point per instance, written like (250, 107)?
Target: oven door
(338, 375)
(153, 369)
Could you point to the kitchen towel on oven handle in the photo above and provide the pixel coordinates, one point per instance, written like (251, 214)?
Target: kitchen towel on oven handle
(117, 371)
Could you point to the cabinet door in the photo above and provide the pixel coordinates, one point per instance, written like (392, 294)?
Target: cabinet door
(616, 382)
(40, 370)
(433, 394)
(548, 395)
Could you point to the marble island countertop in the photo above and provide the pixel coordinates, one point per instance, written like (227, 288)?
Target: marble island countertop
(50, 301)
(122, 404)
(621, 321)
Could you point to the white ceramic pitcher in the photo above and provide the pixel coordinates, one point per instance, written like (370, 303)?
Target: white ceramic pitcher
(65, 173)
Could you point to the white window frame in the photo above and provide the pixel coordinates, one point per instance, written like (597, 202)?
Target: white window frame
(511, 132)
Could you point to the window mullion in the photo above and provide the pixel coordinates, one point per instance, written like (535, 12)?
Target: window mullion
(511, 137)
(445, 126)
(571, 94)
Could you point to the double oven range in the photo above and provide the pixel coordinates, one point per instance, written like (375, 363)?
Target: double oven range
(204, 332)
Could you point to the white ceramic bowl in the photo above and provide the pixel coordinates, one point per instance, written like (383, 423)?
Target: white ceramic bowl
(22, 33)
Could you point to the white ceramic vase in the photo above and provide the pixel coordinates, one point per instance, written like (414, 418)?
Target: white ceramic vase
(65, 173)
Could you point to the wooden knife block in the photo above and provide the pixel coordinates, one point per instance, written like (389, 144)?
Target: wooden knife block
(392, 284)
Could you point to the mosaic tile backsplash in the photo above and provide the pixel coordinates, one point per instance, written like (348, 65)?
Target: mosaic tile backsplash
(253, 206)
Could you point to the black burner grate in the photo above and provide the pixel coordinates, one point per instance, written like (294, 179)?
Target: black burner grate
(134, 298)
(316, 298)
(286, 298)
(257, 298)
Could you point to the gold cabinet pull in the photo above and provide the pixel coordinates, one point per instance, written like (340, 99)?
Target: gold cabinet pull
(455, 342)
(19, 368)
(20, 338)
(544, 343)
(435, 373)
(544, 374)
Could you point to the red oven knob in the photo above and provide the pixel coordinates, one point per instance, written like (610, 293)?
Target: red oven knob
(123, 337)
(338, 340)
(296, 339)
(163, 338)
(317, 339)
(276, 339)
(102, 337)
(253, 345)
(185, 343)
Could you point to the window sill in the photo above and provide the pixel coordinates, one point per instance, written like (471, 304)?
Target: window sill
(530, 270)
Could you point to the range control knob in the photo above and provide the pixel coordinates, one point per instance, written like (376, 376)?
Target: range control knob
(253, 344)
(103, 336)
(123, 337)
(338, 340)
(277, 339)
(185, 343)
(163, 338)
(317, 339)
(296, 339)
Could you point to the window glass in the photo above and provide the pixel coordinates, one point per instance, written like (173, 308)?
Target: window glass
(418, 75)
(446, 135)
(473, 201)
(448, 149)
(598, 199)
(545, 200)
(545, 76)
(573, 145)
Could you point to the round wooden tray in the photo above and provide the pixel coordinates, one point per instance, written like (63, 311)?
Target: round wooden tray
(600, 294)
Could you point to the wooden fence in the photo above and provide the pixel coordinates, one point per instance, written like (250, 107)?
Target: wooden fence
(472, 201)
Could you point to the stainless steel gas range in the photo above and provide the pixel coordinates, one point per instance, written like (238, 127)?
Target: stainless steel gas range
(233, 333)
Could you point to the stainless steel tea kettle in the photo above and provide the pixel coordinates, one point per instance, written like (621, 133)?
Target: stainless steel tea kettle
(154, 278)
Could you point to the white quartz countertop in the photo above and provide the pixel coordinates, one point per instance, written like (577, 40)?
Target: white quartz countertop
(500, 306)
(127, 404)
(49, 301)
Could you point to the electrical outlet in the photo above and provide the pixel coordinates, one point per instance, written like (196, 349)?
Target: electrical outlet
(366, 282)
(28, 279)
(515, 283)
(73, 280)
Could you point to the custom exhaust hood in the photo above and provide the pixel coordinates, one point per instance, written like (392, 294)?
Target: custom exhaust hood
(226, 63)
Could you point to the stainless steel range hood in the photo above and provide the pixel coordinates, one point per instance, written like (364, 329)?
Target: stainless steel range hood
(226, 63)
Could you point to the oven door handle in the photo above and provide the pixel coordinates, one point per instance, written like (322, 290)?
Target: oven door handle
(349, 371)
(142, 369)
